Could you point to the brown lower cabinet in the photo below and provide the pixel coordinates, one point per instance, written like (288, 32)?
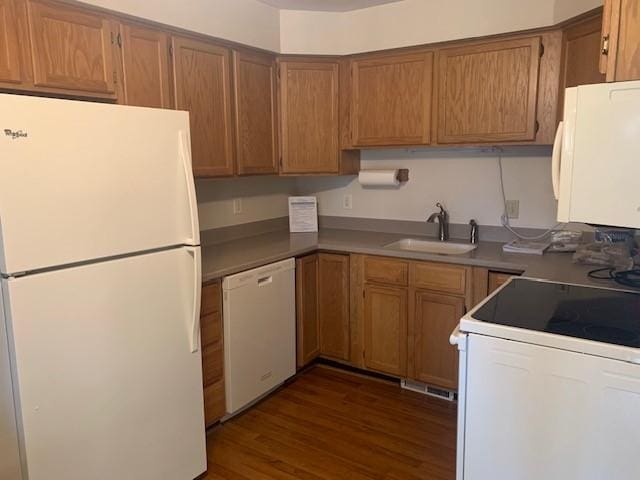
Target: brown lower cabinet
(385, 329)
(433, 318)
(307, 314)
(212, 353)
(387, 315)
(333, 305)
(322, 295)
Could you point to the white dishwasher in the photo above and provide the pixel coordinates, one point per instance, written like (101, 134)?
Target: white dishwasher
(259, 332)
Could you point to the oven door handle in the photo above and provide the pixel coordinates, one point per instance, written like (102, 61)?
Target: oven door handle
(458, 338)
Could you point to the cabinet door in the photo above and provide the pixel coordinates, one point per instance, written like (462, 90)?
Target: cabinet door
(497, 279)
(435, 316)
(202, 87)
(255, 113)
(488, 92)
(309, 110)
(12, 68)
(391, 100)
(212, 353)
(580, 54)
(621, 40)
(385, 325)
(145, 67)
(308, 322)
(333, 305)
(72, 49)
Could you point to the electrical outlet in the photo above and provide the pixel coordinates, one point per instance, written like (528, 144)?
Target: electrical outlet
(347, 202)
(237, 206)
(513, 208)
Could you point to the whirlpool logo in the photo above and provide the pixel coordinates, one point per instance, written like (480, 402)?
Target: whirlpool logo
(15, 134)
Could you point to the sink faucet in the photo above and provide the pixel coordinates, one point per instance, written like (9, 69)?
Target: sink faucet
(443, 222)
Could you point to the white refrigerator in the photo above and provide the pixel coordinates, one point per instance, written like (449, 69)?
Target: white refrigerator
(100, 368)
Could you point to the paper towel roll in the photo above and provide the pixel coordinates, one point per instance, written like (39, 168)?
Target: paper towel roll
(378, 178)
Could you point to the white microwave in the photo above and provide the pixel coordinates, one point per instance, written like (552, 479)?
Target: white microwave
(596, 155)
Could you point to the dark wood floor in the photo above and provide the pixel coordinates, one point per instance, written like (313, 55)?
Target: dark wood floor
(331, 424)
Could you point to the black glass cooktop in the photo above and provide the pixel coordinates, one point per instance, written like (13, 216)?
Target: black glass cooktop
(601, 315)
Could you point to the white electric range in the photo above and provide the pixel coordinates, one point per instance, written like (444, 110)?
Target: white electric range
(550, 384)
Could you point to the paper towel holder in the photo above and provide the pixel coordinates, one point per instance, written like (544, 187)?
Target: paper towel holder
(403, 175)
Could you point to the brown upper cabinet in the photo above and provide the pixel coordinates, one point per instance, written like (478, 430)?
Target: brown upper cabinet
(14, 67)
(391, 99)
(488, 92)
(254, 103)
(310, 119)
(309, 122)
(620, 48)
(145, 66)
(202, 83)
(580, 53)
(72, 49)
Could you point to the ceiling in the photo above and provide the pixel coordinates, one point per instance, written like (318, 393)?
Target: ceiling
(326, 5)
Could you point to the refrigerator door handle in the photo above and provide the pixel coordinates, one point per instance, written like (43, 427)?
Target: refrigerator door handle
(556, 160)
(194, 340)
(183, 146)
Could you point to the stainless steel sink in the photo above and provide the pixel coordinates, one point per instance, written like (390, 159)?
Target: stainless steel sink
(428, 246)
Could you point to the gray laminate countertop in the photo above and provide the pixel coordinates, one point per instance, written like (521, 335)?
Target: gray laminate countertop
(227, 258)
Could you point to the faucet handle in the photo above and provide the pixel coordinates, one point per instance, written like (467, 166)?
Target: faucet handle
(473, 235)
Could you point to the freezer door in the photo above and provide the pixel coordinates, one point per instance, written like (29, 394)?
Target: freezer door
(108, 385)
(9, 452)
(83, 180)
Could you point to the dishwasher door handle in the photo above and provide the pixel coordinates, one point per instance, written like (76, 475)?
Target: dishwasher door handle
(265, 281)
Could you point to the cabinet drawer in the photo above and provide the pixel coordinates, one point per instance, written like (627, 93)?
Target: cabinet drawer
(212, 364)
(211, 328)
(383, 270)
(439, 277)
(214, 403)
(210, 298)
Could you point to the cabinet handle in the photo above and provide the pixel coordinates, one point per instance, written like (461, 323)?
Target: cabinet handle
(605, 45)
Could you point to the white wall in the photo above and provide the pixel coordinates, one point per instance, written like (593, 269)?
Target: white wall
(466, 182)
(245, 21)
(413, 22)
(565, 9)
(406, 23)
(262, 198)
